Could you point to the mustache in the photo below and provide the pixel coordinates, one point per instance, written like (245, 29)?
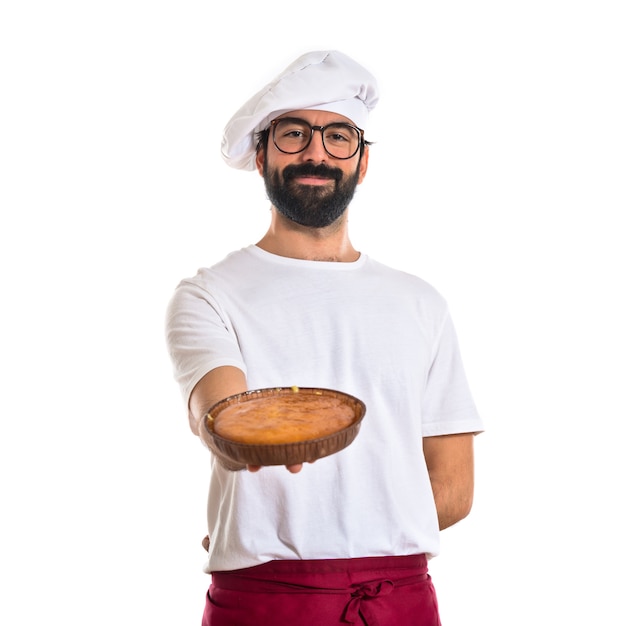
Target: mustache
(310, 169)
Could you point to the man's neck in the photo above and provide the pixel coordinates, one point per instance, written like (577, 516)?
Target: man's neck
(288, 239)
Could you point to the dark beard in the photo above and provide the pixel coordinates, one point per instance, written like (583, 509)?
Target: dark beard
(310, 205)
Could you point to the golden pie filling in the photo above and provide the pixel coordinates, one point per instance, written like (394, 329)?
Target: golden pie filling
(283, 419)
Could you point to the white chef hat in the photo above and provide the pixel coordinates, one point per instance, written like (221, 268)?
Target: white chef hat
(322, 80)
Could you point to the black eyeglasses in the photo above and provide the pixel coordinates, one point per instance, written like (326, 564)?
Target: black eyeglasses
(292, 135)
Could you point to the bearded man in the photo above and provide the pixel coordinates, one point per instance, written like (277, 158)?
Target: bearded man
(346, 539)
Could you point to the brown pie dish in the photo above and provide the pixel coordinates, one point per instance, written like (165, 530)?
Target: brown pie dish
(284, 425)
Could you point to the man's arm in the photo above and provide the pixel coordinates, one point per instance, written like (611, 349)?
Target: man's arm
(450, 462)
(215, 386)
(211, 388)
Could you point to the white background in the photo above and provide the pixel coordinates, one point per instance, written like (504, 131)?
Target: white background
(497, 175)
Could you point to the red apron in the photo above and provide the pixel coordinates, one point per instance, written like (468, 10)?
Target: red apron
(372, 591)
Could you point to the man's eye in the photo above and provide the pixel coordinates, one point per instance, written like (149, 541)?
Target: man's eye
(338, 137)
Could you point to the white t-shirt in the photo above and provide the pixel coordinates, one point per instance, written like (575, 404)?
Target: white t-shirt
(379, 334)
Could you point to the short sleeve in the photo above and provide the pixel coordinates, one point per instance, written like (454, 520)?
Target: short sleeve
(448, 407)
(199, 336)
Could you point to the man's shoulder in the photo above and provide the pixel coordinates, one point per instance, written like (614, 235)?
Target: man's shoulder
(233, 262)
(402, 277)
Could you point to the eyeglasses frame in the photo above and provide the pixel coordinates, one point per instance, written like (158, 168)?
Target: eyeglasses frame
(321, 129)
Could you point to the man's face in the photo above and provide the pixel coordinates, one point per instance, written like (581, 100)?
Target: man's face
(311, 187)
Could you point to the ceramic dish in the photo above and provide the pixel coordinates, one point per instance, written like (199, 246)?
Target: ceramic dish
(284, 425)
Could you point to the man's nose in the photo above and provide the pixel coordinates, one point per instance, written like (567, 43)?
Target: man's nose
(315, 151)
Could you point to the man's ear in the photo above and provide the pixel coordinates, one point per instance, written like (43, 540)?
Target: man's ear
(363, 164)
(259, 160)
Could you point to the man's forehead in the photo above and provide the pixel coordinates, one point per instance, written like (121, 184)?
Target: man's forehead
(314, 115)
